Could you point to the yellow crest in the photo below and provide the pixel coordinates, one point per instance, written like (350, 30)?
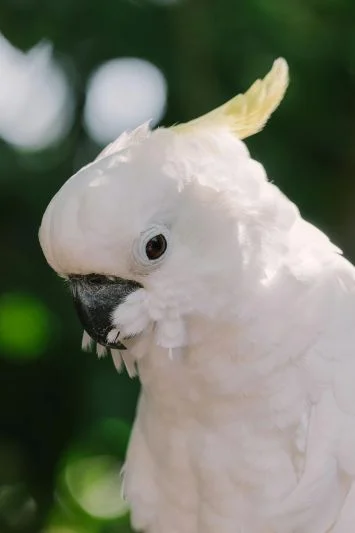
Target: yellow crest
(247, 114)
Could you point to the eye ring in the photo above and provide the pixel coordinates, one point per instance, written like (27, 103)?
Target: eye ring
(151, 248)
(156, 247)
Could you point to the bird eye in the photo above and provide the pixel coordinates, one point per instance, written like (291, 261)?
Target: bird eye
(151, 248)
(156, 247)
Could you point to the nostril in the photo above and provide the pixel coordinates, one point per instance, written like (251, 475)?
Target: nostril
(96, 279)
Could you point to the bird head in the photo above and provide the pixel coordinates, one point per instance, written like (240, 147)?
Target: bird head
(158, 228)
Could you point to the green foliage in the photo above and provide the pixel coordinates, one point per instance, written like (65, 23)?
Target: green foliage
(25, 326)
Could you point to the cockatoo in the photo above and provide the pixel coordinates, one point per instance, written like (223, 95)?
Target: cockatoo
(197, 273)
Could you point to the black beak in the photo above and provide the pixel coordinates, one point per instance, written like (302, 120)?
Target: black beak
(95, 298)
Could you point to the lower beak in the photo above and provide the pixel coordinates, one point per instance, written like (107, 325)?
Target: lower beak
(96, 297)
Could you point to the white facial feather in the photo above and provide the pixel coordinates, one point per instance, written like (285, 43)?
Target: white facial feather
(210, 197)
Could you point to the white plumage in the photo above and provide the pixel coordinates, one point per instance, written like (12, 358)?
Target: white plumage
(243, 334)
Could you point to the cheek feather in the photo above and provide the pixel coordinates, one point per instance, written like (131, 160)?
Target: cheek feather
(131, 317)
(120, 359)
(171, 333)
(141, 309)
(143, 312)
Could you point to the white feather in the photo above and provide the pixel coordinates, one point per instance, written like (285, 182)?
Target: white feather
(117, 359)
(129, 363)
(252, 426)
(101, 350)
(87, 342)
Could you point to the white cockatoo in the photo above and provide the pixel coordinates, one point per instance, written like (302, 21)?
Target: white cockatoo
(197, 273)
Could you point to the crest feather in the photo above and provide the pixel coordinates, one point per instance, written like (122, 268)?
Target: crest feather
(247, 114)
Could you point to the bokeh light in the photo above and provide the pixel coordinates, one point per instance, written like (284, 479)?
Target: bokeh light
(63, 529)
(35, 98)
(122, 94)
(95, 484)
(25, 326)
(58, 523)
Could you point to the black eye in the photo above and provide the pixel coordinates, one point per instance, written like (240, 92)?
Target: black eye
(156, 247)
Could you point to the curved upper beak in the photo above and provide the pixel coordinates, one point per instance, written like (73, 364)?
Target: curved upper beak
(96, 297)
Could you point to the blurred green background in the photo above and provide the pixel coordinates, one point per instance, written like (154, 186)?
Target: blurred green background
(73, 74)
